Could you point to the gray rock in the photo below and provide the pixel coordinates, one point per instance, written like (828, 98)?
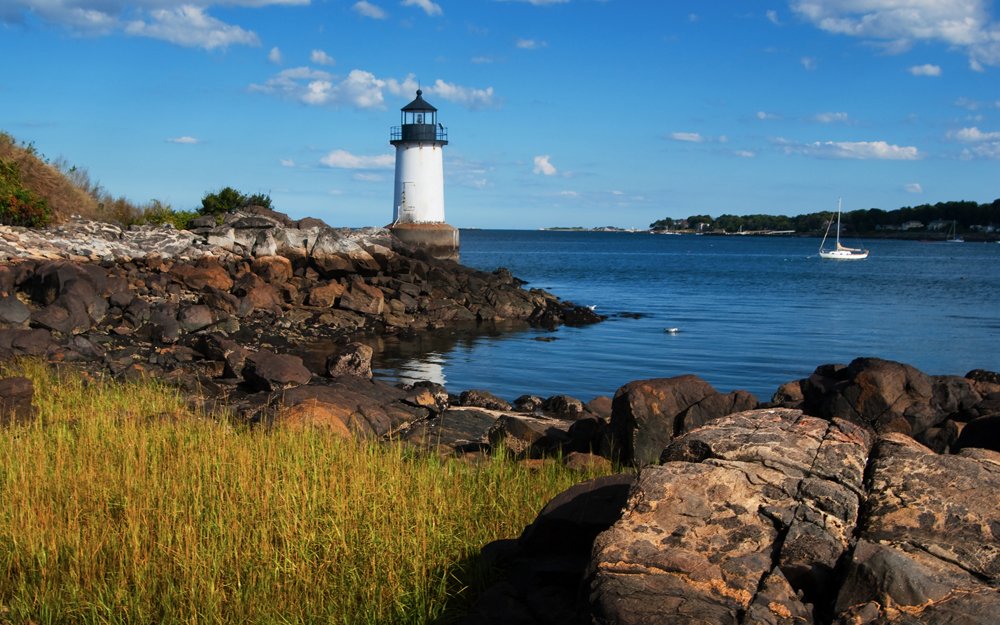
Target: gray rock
(194, 318)
(477, 398)
(268, 371)
(355, 359)
(13, 311)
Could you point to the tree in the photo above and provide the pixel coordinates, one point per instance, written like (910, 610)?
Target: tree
(228, 200)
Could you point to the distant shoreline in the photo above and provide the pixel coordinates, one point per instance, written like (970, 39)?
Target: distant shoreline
(927, 237)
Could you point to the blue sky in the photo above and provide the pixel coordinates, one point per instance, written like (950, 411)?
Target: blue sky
(560, 112)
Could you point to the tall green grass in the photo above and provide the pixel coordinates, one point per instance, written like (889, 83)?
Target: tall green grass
(118, 505)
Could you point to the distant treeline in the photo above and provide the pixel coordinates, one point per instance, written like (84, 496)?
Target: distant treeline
(967, 215)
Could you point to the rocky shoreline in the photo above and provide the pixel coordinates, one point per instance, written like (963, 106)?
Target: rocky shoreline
(864, 493)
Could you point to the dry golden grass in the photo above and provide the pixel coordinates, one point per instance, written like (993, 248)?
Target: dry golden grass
(63, 196)
(120, 506)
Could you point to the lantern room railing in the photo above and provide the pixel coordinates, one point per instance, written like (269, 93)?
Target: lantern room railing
(419, 132)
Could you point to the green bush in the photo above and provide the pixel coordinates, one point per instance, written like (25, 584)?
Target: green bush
(158, 214)
(19, 206)
(229, 200)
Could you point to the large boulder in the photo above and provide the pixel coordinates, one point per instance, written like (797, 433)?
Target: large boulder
(929, 541)
(365, 408)
(887, 396)
(547, 565)
(647, 414)
(983, 432)
(746, 521)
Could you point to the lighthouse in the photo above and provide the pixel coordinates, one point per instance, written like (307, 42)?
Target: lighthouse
(418, 193)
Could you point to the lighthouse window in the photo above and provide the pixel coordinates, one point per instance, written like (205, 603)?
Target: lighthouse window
(420, 119)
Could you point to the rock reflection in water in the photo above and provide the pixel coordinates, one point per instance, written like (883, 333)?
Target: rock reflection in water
(426, 355)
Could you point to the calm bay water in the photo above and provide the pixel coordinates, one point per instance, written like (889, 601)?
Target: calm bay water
(751, 312)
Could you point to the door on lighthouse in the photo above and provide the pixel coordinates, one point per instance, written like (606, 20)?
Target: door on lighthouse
(407, 209)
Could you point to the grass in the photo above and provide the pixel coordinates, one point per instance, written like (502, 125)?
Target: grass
(68, 190)
(117, 505)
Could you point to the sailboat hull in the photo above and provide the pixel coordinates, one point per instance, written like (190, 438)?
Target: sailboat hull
(843, 255)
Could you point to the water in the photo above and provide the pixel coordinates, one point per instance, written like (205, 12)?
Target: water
(751, 312)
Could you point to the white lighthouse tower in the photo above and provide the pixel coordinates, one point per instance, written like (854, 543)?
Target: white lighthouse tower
(418, 195)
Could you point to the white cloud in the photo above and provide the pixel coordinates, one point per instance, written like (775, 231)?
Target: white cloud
(184, 140)
(530, 44)
(540, 2)
(964, 24)
(745, 153)
(482, 60)
(430, 8)
(569, 193)
(808, 62)
(689, 137)
(182, 23)
(367, 9)
(925, 70)
(860, 150)
(974, 135)
(342, 159)
(772, 16)
(190, 26)
(287, 162)
(990, 150)
(363, 89)
(320, 57)
(913, 187)
(467, 96)
(543, 166)
(274, 55)
(830, 117)
(983, 144)
(368, 177)
(764, 115)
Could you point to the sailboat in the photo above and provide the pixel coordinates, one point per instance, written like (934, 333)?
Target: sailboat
(954, 238)
(840, 252)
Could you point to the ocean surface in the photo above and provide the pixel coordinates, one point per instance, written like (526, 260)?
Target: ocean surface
(749, 312)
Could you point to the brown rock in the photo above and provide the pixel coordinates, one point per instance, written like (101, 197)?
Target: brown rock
(16, 396)
(928, 547)
(749, 514)
(204, 273)
(325, 295)
(363, 298)
(273, 269)
(648, 414)
(312, 413)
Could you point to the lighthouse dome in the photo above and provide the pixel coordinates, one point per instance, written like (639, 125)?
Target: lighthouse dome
(419, 104)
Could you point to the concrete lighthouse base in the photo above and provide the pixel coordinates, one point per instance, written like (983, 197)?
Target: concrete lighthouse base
(439, 239)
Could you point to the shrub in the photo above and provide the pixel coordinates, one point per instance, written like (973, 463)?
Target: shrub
(228, 200)
(156, 214)
(19, 206)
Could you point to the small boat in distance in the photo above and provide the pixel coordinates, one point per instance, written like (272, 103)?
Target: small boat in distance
(840, 252)
(954, 238)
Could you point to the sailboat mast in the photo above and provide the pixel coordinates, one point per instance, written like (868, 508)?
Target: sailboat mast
(838, 222)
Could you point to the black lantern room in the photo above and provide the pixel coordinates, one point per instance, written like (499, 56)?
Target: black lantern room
(419, 124)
